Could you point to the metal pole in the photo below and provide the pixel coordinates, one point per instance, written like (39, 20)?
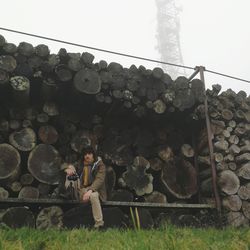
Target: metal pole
(210, 144)
(197, 70)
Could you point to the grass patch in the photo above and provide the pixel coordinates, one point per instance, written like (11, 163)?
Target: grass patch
(165, 238)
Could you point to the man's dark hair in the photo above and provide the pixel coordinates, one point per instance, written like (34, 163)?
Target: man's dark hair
(89, 150)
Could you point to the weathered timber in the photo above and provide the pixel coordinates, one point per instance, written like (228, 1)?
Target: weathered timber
(9, 162)
(44, 164)
(17, 217)
(87, 81)
(232, 203)
(244, 171)
(50, 218)
(28, 192)
(228, 182)
(48, 134)
(179, 177)
(23, 140)
(136, 178)
(244, 192)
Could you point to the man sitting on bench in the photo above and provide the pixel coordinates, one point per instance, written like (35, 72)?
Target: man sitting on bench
(91, 184)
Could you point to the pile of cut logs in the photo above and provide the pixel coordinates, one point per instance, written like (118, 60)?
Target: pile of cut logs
(147, 128)
(230, 119)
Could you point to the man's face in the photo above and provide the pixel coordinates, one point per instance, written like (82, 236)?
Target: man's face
(89, 158)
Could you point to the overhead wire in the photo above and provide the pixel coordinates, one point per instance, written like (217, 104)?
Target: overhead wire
(121, 54)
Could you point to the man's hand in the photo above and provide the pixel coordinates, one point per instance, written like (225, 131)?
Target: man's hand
(86, 196)
(70, 170)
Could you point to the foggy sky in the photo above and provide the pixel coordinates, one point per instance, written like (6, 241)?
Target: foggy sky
(214, 34)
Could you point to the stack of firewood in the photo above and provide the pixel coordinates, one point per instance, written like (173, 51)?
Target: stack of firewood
(144, 125)
(230, 116)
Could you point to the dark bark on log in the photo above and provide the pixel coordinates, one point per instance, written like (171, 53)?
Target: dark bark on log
(228, 182)
(17, 217)
(50, 218)
(28, 192)
(232, 203)
(179, 177)
(44, 164)
(9, 162)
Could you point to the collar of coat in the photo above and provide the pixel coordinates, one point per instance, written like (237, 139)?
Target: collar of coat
(95, 164)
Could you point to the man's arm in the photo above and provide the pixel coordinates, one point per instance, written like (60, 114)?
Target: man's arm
(69, 169)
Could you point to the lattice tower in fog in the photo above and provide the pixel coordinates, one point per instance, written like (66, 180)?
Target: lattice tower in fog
(168, 36)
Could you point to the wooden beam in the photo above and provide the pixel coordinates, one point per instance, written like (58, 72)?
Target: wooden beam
(105, 204)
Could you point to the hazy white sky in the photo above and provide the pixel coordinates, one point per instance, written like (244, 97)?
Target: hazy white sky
(213, 33)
